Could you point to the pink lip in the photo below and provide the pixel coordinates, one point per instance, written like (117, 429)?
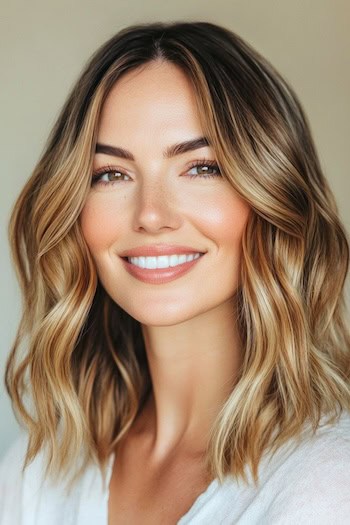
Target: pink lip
(159, 275)
(158, 249)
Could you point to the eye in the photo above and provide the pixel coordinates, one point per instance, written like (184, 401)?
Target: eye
(204, 169)
(108, 175)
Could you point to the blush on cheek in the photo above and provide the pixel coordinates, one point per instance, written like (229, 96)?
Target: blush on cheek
(234, 227)
(226, 220)
(98, 226)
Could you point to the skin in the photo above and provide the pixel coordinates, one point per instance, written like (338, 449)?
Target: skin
(191, 338)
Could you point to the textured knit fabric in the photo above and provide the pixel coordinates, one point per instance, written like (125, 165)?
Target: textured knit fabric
(305, 482)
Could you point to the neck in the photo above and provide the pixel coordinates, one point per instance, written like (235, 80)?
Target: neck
(193, 367)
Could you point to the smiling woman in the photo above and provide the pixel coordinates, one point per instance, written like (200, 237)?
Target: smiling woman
(182, 264)
(152, 189)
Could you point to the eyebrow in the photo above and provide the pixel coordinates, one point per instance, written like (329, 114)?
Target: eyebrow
(171, 151)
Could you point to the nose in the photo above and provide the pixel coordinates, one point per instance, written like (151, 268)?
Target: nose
(155, 208)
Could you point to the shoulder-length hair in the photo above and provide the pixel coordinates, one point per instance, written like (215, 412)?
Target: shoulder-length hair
(83, 369)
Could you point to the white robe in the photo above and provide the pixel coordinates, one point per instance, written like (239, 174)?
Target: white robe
(303, 484)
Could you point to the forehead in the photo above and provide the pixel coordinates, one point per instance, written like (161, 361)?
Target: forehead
(157, 96)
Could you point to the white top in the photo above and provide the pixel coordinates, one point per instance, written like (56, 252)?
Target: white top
(307, 483)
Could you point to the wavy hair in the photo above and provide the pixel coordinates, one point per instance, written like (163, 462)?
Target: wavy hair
(78, 373)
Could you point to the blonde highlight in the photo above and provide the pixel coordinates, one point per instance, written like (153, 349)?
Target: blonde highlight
(85, 365)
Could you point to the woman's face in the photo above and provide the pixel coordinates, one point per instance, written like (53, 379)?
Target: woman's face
(152, 199)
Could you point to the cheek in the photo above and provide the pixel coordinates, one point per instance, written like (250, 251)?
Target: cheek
(99, 225)
(225, 226)
(224, 219)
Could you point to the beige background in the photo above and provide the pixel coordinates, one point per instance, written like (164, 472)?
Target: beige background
(44, 44)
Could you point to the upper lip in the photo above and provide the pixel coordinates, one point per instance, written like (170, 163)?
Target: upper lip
(158, 249)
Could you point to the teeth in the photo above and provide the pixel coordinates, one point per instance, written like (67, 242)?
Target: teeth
(162, 261)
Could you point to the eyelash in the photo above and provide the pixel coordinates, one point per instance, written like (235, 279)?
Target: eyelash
(96, 176)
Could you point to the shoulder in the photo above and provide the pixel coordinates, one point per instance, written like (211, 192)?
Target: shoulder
(312, 481)
(27, 496)
(11, 464)
(11, 480)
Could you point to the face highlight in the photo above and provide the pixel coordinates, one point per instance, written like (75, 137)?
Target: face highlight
(156, 196)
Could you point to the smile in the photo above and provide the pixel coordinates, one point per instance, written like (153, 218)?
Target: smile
(162, 261)
(161, 269)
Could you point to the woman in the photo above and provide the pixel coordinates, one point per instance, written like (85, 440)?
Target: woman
(182, 264)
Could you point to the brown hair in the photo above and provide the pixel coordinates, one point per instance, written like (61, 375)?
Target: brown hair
(83, 363)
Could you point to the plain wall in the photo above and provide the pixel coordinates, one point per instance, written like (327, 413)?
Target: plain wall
(43, 46)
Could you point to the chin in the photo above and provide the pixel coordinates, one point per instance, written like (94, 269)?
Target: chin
(164, 316)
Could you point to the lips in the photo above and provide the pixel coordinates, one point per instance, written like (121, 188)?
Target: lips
(159, 275)
(159, 249)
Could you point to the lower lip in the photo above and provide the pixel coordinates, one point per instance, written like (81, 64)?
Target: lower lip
(159, 275)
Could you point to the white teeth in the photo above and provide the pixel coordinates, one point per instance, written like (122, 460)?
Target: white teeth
(162, 261)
